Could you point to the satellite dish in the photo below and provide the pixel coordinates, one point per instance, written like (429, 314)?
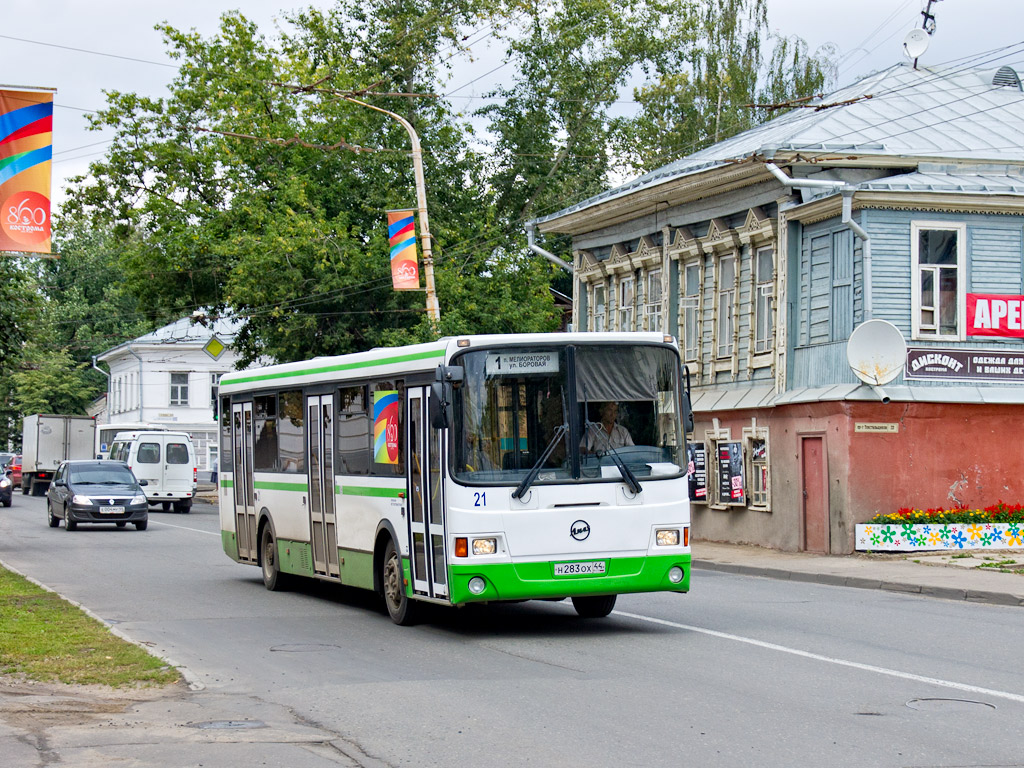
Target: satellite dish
(915, 43)
(876, 352)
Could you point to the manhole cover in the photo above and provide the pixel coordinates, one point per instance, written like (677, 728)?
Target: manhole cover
(947, 705)
(302, 648)
(218, 725)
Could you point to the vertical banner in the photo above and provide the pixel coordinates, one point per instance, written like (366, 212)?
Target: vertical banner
(405, 271)
(26, 151)
(385, 426)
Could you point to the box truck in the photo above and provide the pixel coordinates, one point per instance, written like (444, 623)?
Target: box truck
(48, 439)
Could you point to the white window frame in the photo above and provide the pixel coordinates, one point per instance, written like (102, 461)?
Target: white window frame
(918, 329)
(600, 306)
(654, 294)
(178, 394)
(689, 308)
(764, 320)
(725, 308)
(626, 311)
(758, 469)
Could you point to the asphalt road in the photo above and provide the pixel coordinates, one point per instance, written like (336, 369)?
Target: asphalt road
(742, 671)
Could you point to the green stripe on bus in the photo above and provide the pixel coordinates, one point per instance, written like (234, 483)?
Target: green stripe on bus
(227, 484)
(268, 485)
(334, 368)
(365, 490)
(526, 581)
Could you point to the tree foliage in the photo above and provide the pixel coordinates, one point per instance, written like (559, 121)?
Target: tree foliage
(257, 187)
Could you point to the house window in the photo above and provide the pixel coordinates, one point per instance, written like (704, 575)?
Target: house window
(600, 308)
(763, 322)
(689, 308)
(726, 305)
(179, 389)
(730, 486)
(654, 300)
(627, 291)
(758, 472)
(937, 256)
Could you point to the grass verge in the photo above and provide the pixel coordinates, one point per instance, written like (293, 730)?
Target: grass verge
(45, 638)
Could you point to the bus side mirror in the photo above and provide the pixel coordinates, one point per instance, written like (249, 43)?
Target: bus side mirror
(439, 407)
(448, 377)
(687, 405)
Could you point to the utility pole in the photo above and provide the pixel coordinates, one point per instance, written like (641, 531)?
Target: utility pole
(433, 310)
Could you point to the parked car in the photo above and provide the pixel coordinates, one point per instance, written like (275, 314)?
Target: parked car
(15, 466)
(6, 487)
(92, 491)
(5, 458)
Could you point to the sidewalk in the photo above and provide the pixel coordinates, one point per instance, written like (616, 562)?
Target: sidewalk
(942, 575)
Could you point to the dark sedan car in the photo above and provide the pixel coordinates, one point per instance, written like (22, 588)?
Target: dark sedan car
(96, 492)
(6, 487)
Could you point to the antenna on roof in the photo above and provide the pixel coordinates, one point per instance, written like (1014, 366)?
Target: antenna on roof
(916, 41)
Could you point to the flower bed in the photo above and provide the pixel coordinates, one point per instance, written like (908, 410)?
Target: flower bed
(1000, 526)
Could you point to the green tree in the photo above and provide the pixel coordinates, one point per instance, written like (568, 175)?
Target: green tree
(709, 90)
(19, 305)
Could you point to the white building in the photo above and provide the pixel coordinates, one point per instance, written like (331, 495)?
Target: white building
(170, 377)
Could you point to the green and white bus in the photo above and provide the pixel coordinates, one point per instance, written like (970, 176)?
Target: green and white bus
(470, 469)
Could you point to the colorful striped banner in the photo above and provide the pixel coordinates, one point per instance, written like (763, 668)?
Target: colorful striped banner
(385, 426)
(26, 152)
(405, 271)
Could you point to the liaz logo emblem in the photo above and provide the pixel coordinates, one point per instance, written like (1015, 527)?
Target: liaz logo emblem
(579, 530)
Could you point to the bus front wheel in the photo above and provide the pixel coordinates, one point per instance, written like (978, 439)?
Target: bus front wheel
(594, 607)
(401, 609)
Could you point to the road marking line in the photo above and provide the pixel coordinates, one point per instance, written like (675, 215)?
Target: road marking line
(184, 527)
(829, 659)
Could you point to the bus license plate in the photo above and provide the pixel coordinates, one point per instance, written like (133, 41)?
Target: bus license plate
(111, 510)
(580, 569)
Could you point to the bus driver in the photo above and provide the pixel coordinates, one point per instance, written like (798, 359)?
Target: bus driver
(615, 435)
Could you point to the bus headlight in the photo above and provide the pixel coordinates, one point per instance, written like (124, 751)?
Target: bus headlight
(485, 547)
(675, 574)
(668, 537)
(477, 585)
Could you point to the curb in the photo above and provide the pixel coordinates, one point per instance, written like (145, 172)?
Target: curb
(858, 582)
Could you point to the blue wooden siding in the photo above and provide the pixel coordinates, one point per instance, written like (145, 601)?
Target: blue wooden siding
(830, 301)
(994, 259)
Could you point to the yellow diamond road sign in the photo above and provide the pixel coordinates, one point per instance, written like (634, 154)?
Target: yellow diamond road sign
(214, 347)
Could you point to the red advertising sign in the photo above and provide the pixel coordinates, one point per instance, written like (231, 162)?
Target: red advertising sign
(995, 314)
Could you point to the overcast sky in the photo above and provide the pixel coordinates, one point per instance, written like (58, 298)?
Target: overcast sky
(37, 41)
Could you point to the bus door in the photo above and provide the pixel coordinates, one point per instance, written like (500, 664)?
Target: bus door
(426, 500)
(245, 504)
(320, 418)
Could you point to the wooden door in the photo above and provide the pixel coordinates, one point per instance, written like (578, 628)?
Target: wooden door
(814, 479)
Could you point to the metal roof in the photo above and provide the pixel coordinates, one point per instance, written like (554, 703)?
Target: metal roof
(955, 113)
(954, 180)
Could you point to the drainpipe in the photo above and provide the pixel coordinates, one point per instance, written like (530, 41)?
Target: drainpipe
(846, 190)
(537, 249)
(865, 240)
(132, 351)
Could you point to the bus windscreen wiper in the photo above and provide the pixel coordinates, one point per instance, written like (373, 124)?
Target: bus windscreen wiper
(560, 431)
(524, 486)
(626, 472)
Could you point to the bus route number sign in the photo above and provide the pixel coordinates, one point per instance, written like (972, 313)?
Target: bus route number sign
(518, 363)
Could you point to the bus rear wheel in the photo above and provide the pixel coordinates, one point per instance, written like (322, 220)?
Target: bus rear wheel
(273, 579)
(592, 607)
(401, 609)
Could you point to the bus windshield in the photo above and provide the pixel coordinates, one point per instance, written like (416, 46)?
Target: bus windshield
(575, 413)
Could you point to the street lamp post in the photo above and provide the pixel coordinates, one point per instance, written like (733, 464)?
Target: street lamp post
(433, 310)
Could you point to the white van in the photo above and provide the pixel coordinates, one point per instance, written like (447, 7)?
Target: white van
(165, 460)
